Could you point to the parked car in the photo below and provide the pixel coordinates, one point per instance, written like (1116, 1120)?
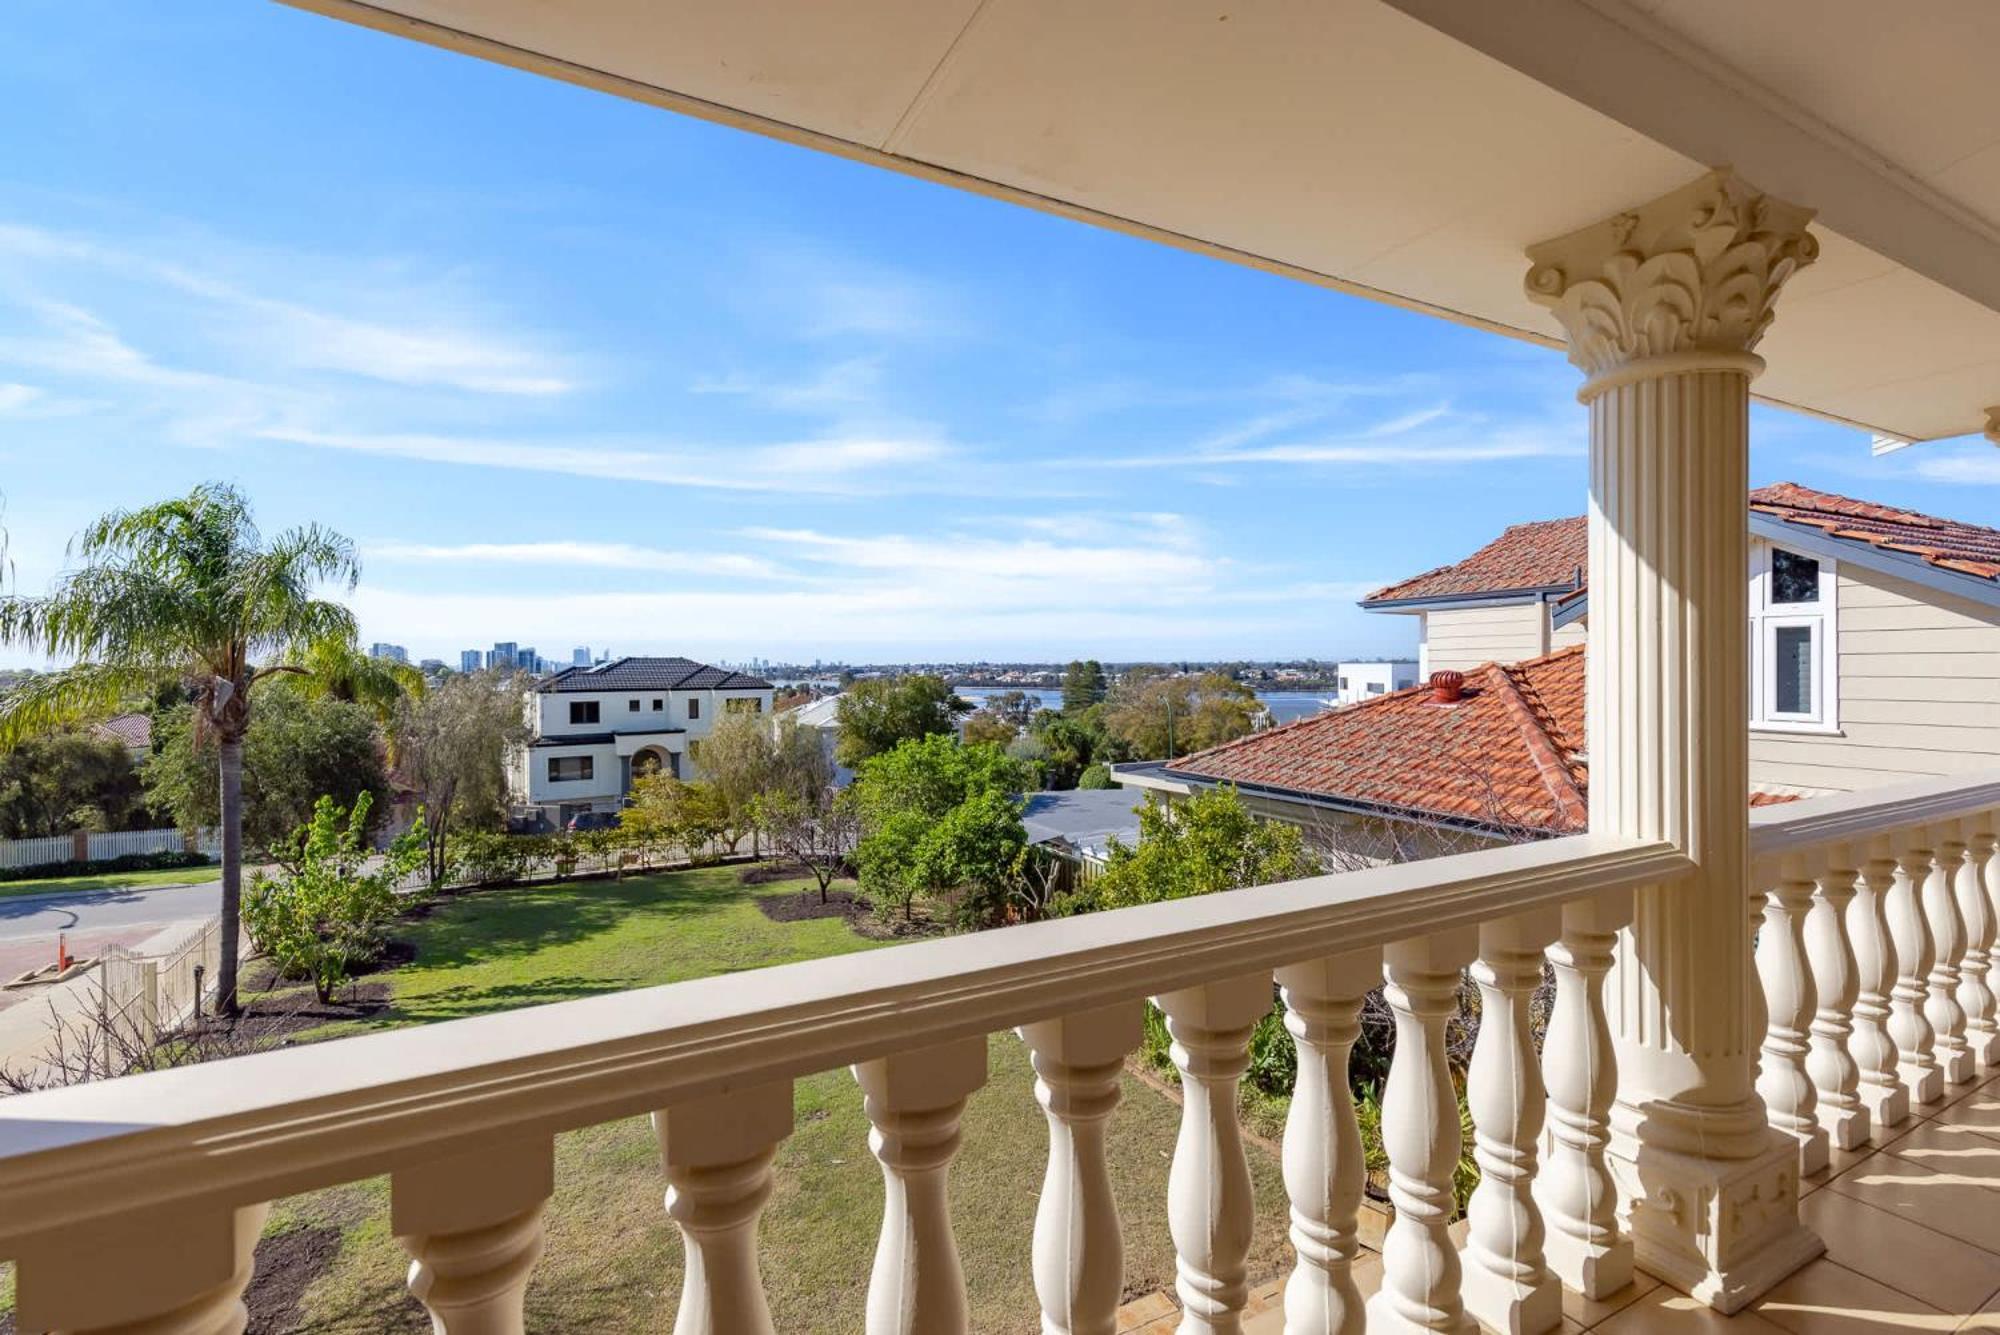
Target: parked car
(593, 820)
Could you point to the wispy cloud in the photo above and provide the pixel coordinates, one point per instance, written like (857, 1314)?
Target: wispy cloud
(436, 337)
(1973, 467)
(843, 385)
(579, 555)
(832, 466)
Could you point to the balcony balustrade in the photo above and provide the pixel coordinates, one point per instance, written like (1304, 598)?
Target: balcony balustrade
(1874, 919)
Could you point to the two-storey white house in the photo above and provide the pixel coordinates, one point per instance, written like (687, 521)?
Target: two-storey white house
(593, 730)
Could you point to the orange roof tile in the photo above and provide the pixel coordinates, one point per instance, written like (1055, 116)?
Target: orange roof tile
(1548, 554)
(1553, 553)
(1948, 544)
(1508, 755)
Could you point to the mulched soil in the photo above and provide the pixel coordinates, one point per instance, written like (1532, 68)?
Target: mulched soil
(287, 1265)
(805, 905)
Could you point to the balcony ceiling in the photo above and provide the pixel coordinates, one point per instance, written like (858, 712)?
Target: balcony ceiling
(1409, 150)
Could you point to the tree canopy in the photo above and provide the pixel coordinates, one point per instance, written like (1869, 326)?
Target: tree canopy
(298, 749)
(451, 748)
(65, 781)
(1197, 846)
(941, 821)
(1083, 685)
(878, 713)
(1156, 715)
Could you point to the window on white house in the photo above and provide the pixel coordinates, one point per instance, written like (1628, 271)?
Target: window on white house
(564, 769)
(583, 711)
(1792, 663)
(658, 704)
(694, 709)
(631, 706)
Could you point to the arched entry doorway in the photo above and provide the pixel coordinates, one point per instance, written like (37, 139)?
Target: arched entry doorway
(651, 761)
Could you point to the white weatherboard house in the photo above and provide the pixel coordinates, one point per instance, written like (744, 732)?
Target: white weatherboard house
(593, 730)
(1743, 1000)
(1354, 682)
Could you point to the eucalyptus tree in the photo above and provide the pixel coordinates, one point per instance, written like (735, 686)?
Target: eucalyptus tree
(185, 591)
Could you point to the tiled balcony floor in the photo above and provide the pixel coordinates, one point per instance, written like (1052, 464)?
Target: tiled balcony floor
(1912, 1231)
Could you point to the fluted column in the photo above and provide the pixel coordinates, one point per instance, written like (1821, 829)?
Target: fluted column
(1882, 1090)
(1663, 306)
(1079, 1253)
(1420, 1267)
(1947, 924)
(1508, 1284)
(1977, 978)
(141, 1273)
(1210, 1212)
(1910, 933)
(472, 1224)
(1790, 1001)
(717, 1153)
(1586, 1247)
(1325, 1173)
(1835, 1077)
(914, 1101)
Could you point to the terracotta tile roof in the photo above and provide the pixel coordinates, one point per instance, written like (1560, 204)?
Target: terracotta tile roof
(1547, 554)
(1508, 753)
(1507, 756)
(1948, 544)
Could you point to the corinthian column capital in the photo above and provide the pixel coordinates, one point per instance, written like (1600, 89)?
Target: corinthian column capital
(1691, 277)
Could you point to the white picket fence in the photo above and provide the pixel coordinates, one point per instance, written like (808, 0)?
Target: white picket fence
(16, 853)
(143, 996)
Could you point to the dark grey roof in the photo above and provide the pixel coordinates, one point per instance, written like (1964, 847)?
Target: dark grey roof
(600, 738)
(1083, 817)
(650, 674)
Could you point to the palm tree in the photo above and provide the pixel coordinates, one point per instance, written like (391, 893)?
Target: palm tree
(184, 591)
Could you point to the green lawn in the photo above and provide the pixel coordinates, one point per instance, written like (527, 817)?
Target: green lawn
(111, 880)
(614, 1261)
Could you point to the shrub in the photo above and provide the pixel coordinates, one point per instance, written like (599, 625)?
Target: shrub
(325, 918)
(486, 857)
(124, 862)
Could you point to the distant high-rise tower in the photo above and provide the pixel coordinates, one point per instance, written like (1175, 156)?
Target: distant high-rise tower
(506, 656)
(470, 660)
(580, 656)
(395, 653)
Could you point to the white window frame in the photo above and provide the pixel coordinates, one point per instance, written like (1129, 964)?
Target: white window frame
(1822, 618)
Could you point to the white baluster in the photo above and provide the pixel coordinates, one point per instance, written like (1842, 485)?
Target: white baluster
(1941, 911)
(1790, 1101)
(1909, 929)
(1977, 977)
(1579, 1200)
(915, 1100)
(717, 1154)
(1828, 950)
(1508, 1285)
(141, 1272)
(1209, 1207)
(1079, 1253)
(1882, 1090)
(1325, 1173)
(472, 1224)
(1420, 1267)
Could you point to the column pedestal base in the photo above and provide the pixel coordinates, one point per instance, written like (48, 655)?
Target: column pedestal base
(1846, 1128)
(1510, 1307)
(1723, 1231)
(1888, 1111)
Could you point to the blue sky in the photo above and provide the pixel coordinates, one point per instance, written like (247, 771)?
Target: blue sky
(572, 370)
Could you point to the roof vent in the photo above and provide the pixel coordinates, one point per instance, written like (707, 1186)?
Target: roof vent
(1447, 687)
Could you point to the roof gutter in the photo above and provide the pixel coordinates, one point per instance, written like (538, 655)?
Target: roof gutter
(1817, 542)
(1299, 797)
(1447, 601)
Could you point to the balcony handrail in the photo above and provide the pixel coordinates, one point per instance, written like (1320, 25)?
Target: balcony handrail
(270, 1124)
(1815, 822)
